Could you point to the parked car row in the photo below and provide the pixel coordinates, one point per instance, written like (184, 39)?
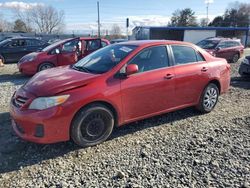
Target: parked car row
(13, 49)
(63, 52)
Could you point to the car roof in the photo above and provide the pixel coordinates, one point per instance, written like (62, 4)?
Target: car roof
(155, 42)
(24, 38)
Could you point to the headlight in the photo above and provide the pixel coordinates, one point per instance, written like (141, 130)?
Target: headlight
(30, 58)
(42, 103)
(246, 61)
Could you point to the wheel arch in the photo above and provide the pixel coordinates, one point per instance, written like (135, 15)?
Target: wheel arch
(217, 83)
(104, 103)
(43, 63)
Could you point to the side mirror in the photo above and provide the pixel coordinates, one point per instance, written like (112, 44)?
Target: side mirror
(218, 48)
(57, 51)
(131, 69)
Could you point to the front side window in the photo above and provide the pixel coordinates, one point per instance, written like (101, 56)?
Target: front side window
(104, 59)
(208, 44)
(17, 43)
(223, 45)
(184, 54)
(151, 58)
(70, 46)
(104, 44)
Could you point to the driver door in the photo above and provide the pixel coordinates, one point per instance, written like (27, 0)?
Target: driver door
(68, 53)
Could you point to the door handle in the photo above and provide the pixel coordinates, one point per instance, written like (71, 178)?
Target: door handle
(168, 76)
(204, 69)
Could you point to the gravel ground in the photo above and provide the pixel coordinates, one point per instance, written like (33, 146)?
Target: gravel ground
(179, 149)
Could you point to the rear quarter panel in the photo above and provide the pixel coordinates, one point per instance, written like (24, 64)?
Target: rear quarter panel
(220, 71)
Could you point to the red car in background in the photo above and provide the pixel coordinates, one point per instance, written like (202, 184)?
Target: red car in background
(113, 86)
(64, 52)
(226, 48)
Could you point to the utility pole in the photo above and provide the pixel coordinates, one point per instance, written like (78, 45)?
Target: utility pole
(98, 13)
(207, 2)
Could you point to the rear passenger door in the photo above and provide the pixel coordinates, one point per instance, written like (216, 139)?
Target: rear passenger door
(191, 74)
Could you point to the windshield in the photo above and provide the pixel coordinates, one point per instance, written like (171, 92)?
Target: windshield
(104, 59)
(208, 44)
(52, 46)
(4, 42)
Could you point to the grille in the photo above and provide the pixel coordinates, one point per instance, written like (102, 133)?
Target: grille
(19, 101)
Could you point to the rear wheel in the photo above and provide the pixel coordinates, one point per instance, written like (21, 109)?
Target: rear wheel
(92, 125)
(3, 60)
(235, 58)
(209, 98)
(45, 66)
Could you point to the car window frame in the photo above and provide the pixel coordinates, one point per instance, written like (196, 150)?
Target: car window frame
(61, 46)
(195, 50)
(138, 53)
(87, 44)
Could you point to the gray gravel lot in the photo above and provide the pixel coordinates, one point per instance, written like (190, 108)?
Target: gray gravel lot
(179, 149)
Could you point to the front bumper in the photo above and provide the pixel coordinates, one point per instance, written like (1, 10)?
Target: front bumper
(244, 69)
(44, 127)
(27, 68)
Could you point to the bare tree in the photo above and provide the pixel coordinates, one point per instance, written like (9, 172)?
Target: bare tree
(23, 16)
(43, 19)
(47, 19)
(116, 30)
(4, 25)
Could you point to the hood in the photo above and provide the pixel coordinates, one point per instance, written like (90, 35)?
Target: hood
(52, 81)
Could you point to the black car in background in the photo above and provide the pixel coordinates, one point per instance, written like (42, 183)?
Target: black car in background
(13, 49)
(244, 69)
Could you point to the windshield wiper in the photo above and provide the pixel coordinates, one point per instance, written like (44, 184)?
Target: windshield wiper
(83, 69)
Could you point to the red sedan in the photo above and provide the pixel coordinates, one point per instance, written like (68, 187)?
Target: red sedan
(64, 52)
(116, 85)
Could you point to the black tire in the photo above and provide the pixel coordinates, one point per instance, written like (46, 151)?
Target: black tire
(2, 58)
(209, 98)
(45, 66)
(235, 58)
(92, 125)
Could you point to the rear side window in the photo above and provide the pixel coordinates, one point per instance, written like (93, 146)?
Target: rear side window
(185, 54)
(151, 58)
(33, 42)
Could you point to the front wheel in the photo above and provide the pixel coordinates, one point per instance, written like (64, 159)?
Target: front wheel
(45, 66)
(92, 125)
(209, 98)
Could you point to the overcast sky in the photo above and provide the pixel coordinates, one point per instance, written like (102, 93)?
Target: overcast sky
(81, 15)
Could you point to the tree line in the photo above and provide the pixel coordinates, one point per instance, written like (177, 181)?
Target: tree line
(40, 19)
(237, 15)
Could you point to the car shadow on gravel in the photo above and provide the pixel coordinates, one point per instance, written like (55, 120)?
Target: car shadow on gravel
(15, 78)
(16, 153)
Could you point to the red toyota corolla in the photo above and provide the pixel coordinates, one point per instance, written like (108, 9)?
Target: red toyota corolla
(116, 85)
(64, 52)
